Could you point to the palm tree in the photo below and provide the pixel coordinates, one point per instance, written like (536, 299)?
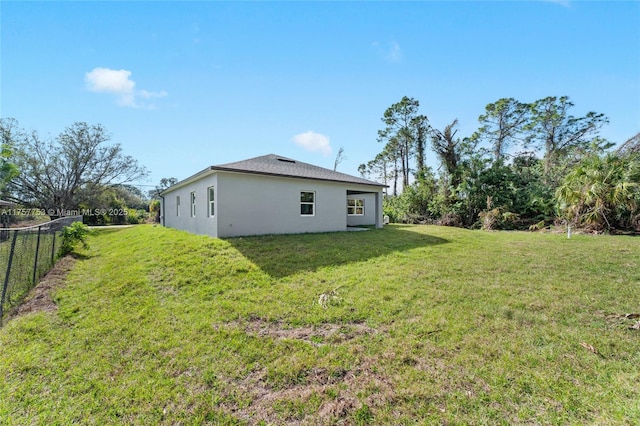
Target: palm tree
(601, 192)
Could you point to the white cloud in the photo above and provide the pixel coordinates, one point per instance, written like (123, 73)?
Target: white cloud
(149, 95)
(314, 142)
(390, 52)
(563, 3)
(119, 83)
(112, 81)
(394, 53)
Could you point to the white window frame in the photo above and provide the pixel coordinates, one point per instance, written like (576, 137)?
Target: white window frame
(352, 210)
(211, 201)
(177, 205)
(308, 203)
(193, 203)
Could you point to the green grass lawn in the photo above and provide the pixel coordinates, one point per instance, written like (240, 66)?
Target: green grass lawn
(405, 325)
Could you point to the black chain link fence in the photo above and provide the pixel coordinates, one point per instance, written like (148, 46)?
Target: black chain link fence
(26, 254)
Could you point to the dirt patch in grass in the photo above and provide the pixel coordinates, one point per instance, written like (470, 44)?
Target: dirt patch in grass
(324, 396)
(316, 335)
(630, 321)
(40, 297)
(327, 398)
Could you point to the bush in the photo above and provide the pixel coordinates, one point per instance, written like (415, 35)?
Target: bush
(497, 219)
(73, 234)
(132, 219)
(135, 217)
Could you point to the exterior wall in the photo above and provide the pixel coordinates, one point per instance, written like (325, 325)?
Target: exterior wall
(370, 209)
(201, 223)
(255, 205)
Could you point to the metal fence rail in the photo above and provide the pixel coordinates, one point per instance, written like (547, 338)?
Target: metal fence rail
(26, 254)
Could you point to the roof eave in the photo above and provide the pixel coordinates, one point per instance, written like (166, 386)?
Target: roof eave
(213, 169)
(209, 170)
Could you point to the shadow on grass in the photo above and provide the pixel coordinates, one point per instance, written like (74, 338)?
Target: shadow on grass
(83, 256)
(284, 255)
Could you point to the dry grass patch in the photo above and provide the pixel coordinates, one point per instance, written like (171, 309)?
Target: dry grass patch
(40, 298)
(316, 335)
(319, 395)
(326, 398)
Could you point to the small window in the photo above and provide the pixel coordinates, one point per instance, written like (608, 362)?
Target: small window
(212, 201)
(307, 203)
(178, 206)
(355, 207)
(193, 204)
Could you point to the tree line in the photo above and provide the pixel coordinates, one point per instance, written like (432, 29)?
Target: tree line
(528, 165)
(78, 170)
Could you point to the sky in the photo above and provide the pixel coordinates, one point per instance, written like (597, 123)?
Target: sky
(185, 85)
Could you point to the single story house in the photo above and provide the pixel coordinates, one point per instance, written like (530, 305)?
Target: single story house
(270, 194)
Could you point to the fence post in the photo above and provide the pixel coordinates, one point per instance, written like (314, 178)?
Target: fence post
(35, 261)
(53, 249)
(6, 276)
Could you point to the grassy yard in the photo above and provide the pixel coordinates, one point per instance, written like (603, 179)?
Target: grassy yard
(406, 325)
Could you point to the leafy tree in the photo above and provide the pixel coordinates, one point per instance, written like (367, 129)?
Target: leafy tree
(448, 150)
(558, 134)
(9, 132)
(76, 166)
(164, 184)
(383, 167)
(502, 125)
(403, 124)
(476, 189)
(487, 188)
(421, 126)
(602, 193)
(154, 209)
(470, 202)
(459, 162)
(390, 158)
(419, 197)
(132, 196)
(397, 208)
(533, 200)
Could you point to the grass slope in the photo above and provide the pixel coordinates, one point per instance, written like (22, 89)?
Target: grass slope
(406, 325)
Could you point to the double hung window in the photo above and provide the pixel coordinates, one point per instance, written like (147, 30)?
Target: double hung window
(307, 203)
(211, 194)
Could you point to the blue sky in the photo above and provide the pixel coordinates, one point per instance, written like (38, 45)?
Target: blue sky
(185, 85)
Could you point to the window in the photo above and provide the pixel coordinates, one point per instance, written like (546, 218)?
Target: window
(193, 204)
(212, 201)
(178, 206)
(307, 203)
(355, 207)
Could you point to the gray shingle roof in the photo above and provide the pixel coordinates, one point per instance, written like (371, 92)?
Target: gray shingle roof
(276, 165)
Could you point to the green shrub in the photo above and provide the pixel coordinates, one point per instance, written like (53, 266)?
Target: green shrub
(73, 234)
